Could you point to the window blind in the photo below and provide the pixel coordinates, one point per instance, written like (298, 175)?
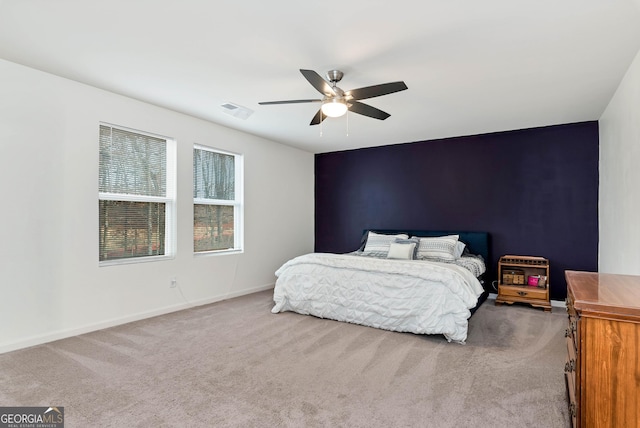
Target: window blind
(131, 163)
(133, 201)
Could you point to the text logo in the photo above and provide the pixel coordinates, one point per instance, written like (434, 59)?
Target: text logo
(31, 417)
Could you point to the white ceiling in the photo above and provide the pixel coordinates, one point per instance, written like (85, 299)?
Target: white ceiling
(471, 66)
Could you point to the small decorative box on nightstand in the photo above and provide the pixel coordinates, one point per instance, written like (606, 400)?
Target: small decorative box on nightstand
(524, 279)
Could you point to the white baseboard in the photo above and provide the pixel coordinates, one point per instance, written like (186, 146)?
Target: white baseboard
(554, 303)
(63, 334)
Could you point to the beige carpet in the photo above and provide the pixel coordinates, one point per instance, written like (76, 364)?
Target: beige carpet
(234, 363)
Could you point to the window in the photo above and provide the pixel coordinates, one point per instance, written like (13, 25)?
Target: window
(136, 195)
(217, 200)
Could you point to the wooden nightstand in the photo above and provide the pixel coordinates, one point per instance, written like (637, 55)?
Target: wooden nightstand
(524, 279)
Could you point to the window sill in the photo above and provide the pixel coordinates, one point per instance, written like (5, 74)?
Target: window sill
(134, 260)
(217, 253)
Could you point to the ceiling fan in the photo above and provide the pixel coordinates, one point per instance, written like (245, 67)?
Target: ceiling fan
(336, 102)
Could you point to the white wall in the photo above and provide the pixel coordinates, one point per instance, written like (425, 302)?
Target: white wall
(51, 284)
(619, 198)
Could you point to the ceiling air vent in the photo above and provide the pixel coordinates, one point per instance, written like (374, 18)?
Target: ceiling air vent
(236, 110)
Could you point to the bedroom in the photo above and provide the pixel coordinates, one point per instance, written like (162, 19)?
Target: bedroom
(54, 287)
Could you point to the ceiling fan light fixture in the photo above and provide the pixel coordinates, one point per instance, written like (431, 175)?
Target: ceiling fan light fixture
(334, 107)
(336, 102)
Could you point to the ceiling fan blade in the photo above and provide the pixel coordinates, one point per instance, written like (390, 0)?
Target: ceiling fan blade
(367, 110)
(376, 90)
(318, 82)
(265, 103)
(318, 118)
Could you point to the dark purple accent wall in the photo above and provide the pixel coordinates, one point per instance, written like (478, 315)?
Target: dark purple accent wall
(534, 190)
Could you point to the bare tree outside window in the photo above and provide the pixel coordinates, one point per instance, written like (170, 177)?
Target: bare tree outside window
(215, 200)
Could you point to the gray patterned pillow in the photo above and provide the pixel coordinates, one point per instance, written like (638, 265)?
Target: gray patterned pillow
(378, 244)
(442, 248)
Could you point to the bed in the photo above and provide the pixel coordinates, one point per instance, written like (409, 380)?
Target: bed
(423, 282)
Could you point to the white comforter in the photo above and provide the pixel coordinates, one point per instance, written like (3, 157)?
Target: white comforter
(399, 295)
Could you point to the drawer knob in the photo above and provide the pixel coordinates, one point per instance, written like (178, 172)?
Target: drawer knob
(522, 293)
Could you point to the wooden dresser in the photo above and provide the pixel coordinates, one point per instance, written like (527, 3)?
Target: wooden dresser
(602, 370)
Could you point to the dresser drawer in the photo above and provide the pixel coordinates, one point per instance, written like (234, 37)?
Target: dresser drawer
(571, 371)
(571, 333)
(571, 310)
(572, 329)
(524, 292)
(571, 396)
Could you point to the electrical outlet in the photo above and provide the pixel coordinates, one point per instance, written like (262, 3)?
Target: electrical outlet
(174, 282)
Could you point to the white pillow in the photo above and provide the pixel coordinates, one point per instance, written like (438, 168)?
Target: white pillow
(412, 240)
(401, 251)
(459, 249)
(442, 248)
(378, 244)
